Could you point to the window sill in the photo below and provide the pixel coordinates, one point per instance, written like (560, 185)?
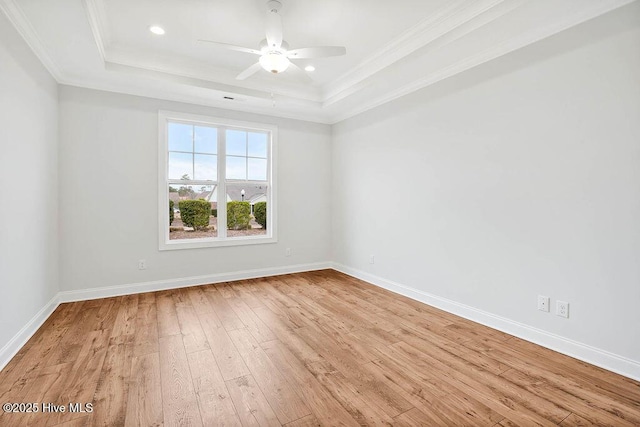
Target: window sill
(214, 243)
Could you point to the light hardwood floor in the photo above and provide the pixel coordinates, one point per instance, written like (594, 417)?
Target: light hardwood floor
(306, 349)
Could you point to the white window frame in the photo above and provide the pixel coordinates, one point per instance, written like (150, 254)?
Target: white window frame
(222, 124)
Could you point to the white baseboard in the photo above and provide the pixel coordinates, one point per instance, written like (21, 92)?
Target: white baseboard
(595, 356)
(20, 339)
(182, 282)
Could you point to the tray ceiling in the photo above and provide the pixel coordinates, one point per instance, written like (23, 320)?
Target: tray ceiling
(393, 48)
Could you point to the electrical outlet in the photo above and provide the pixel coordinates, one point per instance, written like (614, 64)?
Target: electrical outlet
(372, 259)
(562, 308)
(287, 252)
(543, 303)
(142, 264)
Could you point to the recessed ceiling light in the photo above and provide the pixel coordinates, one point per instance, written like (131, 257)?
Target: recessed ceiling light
(156, 30)
(309, 68)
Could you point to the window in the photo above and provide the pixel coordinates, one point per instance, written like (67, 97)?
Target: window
(216, 183)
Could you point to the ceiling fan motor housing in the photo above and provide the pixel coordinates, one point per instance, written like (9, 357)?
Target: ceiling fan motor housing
(274, 6)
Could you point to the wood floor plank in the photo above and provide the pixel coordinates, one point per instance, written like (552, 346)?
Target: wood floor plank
(214, 400)
(319, 400)
(110, 397)
(311, 359)
(256, 327)
(192, 333)
(181, 297)
(360, 408)
(105, 316)
(244, 291)
(416, 418)
(166, 311)
(225, 290)
(80, 385)
(179, 401)
(223, 310)
(534, 383)
(199, 299)
(45, 387)
(588, 390)
(424, 389)
(479, 359)
(573, 398)
(418, 389)
(361, 350)
(282, 397)
(574, 420)
(253, 408)
(283, 305)
(548, 409)
(146, 337)
(70, 344)
(375, 335)
(517, 409)
(308, 421)
(144, 399)
(227, 357)
(125, 322)
(395, 303)
(292, 319)
(440, 405)
(375, 391)
(315, 348)
(78, 422)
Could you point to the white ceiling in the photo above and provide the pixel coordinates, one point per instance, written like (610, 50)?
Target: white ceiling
(393, 48)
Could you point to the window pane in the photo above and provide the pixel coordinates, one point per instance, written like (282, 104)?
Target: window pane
(180, 137)
(206, 140)
(245, 218)
(257, 145)
(205, 167)
(190, 226)
(257, 169)
(180, 166)
(236, 167)
(236, 143)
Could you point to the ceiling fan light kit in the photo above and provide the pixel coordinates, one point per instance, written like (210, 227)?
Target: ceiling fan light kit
(157, 30)
(274, 62)
(274, 53)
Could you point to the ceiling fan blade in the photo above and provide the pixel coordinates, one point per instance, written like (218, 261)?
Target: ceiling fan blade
(297, 71)
(274, 29)
(316, 52)
(249, 71)
(232, 47)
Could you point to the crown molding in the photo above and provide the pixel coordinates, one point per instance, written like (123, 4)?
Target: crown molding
(438, 41)
(198, 97)
(440, 23)
(96, 17)
(487, 55)
(20, 22)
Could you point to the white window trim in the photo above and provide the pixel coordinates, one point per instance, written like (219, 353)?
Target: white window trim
(163, 194)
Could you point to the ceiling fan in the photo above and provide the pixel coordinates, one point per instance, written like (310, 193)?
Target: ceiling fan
(274, 52)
